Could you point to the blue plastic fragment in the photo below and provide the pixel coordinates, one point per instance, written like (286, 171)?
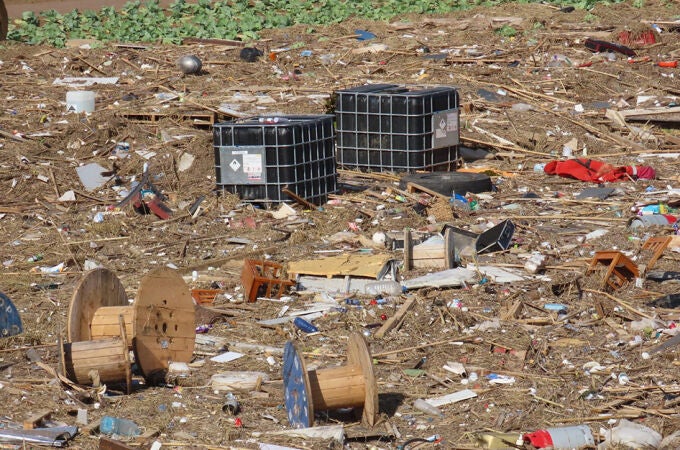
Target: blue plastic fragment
(305, 326)
(555, 307)
(363, 35)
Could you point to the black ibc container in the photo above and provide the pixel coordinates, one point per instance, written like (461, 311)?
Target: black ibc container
(387, 127)
(258, 157)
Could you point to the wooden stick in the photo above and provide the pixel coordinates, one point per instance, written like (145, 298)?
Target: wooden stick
(91, 66)
(620, 302)
(410, 187)
(118, 238)
(299, 199)
(599, 418)
(573, 217)
(417, 347)
(504, 147)
(54, 183)
(392, 321)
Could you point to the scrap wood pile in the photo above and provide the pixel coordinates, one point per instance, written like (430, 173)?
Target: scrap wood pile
(539, 297)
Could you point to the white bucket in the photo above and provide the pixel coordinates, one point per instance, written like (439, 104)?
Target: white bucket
(80, 101)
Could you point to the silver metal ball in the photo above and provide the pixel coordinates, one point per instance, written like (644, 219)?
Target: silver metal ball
(189, 64)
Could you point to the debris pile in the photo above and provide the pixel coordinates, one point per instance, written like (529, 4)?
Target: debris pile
(159, 300)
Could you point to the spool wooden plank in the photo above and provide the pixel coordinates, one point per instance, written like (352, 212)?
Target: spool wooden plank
(106, 322)
(97, 288)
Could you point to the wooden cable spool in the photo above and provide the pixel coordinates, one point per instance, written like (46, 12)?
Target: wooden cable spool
(349, 386)
(100, 360)
(160, 324)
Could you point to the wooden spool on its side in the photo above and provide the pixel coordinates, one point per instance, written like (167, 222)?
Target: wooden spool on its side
(350, 386)
(160, 324)
(106, 359)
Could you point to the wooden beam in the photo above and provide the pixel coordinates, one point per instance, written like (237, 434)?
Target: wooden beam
(34, 420)
(392, 321)
(111, 444)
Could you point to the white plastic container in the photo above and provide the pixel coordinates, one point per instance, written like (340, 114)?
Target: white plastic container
(389, 287)
(425, 407)
(80, 101)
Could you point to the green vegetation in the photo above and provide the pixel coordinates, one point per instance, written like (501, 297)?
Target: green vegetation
(225, 19)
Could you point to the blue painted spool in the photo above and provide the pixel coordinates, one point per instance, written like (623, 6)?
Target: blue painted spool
(296, 389)
(10, 321)
(350, 386)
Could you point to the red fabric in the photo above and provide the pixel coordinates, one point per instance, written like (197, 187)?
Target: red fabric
(539, 438)
(597, 171)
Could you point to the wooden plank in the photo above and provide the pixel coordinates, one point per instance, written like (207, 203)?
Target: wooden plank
(111, 444)
(429, 252)
(449, 249)
(412, 187)
(34, 420)
(512, 311)
(392, 321)
(408, 246)
(643, 111)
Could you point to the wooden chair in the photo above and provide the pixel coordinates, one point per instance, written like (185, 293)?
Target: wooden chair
(620, 268)
(656, 246)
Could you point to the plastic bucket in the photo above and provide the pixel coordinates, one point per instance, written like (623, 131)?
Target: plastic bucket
(562, 438)
(80, 101)
(571, 437)
(652, 220)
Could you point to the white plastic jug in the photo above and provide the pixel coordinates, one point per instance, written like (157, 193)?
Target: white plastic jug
(80, 101)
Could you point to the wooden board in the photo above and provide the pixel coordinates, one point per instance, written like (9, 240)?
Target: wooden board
(165, 328)
(392, 321)
(97, 288)
(34, 420)
(111, 444)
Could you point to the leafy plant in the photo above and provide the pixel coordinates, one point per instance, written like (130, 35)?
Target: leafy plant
(230, 19)
(507, 31)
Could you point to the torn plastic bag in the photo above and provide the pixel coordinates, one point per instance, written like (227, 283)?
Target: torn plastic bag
(54, 436)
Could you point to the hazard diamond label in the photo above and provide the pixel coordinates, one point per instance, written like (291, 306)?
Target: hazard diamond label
(235, 165)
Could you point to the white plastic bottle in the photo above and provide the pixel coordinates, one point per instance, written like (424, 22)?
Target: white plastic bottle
(422, 405)
(389, 287)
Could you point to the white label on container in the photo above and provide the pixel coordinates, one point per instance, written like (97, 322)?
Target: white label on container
(445, 129)
(252, 166)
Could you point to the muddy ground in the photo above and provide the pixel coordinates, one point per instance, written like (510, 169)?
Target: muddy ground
(549, 357)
